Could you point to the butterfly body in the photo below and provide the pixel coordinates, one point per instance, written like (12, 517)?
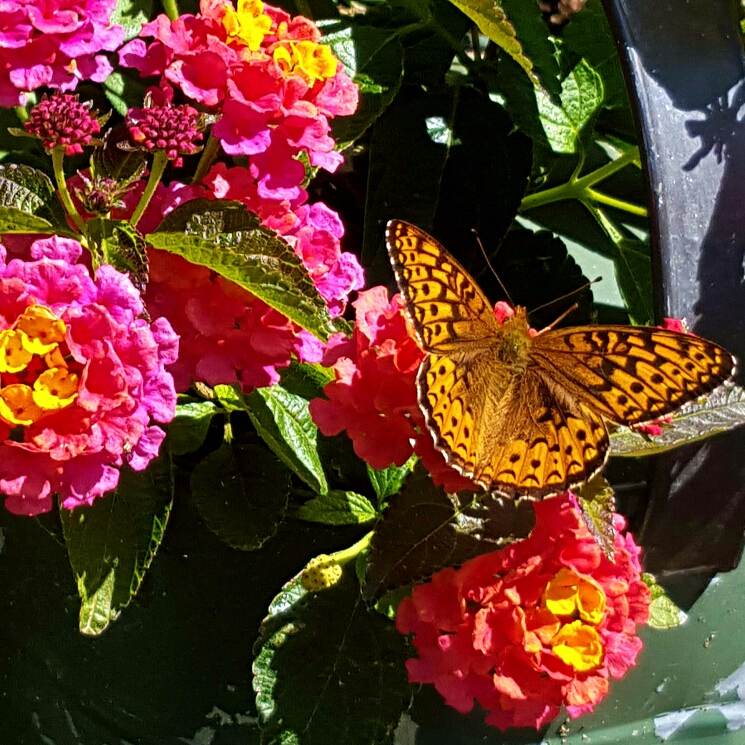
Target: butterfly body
(526, 415)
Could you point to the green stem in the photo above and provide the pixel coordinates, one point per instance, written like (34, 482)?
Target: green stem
(207, 159)
(619, 204)
(579, 188)
(342, 557)
(58, 156)
(171, 9)
(21, 113)
(156, 173)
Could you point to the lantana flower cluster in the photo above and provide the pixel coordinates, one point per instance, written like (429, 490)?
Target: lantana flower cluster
(374, 396)
(54, 44)
(82, 378)
(274, 88)
(267, 77)
(541, 624)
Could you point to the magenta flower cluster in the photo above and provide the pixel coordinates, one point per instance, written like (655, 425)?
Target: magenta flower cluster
(82, 378)
(54, 43)
(62, 121)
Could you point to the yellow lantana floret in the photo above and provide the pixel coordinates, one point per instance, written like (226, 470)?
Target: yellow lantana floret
(306, 58)
(14, 353)
(43, 330)
(17, 405)
(55, 389)
(579, 646)
(568, 594)
(249, 24)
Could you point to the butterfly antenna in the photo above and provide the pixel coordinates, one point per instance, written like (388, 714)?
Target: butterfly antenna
(493, 270)
(569, 294)
(555, 323)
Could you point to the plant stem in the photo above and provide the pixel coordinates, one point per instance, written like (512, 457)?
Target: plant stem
(156, 173)
(342, 557)
(581, 188)
(171, 9)
(58, 156)
(619, 204)
(206, 159)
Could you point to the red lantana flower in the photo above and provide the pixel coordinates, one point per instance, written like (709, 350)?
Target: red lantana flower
(543, 623)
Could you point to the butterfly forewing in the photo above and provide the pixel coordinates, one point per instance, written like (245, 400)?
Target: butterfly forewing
(445, 306)
(631, 374)
(525, 415)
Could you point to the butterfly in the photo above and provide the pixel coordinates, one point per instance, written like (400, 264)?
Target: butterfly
(526, 415)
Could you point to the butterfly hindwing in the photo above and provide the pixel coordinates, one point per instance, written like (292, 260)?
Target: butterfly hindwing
(632, 375)
(511, 435)
(445, 306)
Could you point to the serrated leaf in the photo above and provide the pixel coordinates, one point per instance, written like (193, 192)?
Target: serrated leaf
(388, 481)
(589, 35)
(598, 504)
(225, 237)
(117, 243)
(581, 96)
(424, 530)
(373, 57)
(241, 491)
(338, 507)
(663, 612)
(29, 203)
(283, 421)
(328, 669)
(722, 410)
(112, 542)
(230, 397)
(112, 162)
(189, 427)
(518, 28)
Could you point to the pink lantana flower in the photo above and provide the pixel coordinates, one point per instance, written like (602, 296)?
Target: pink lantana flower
(541, 624)
(82, 378)
(265, 73)
(54, 44)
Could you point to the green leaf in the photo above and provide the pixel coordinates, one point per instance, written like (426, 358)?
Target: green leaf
(112, 162)
(131, 14)
(189, 427)
(306, 380)
(373, 58)
(722, 410)
(581, 96)
(429, 166)
(124, 89)
(29, 203)
(117, 243)
(633, 262)
(230, 397)
(518, 27)
(663, 613)
(598, 504)
(225, 237)
(388, 481)
(283, 421)
(328, 669)
(112, 543)
(241, 491)
(424, 530)
(589, 35)
(338, 507)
